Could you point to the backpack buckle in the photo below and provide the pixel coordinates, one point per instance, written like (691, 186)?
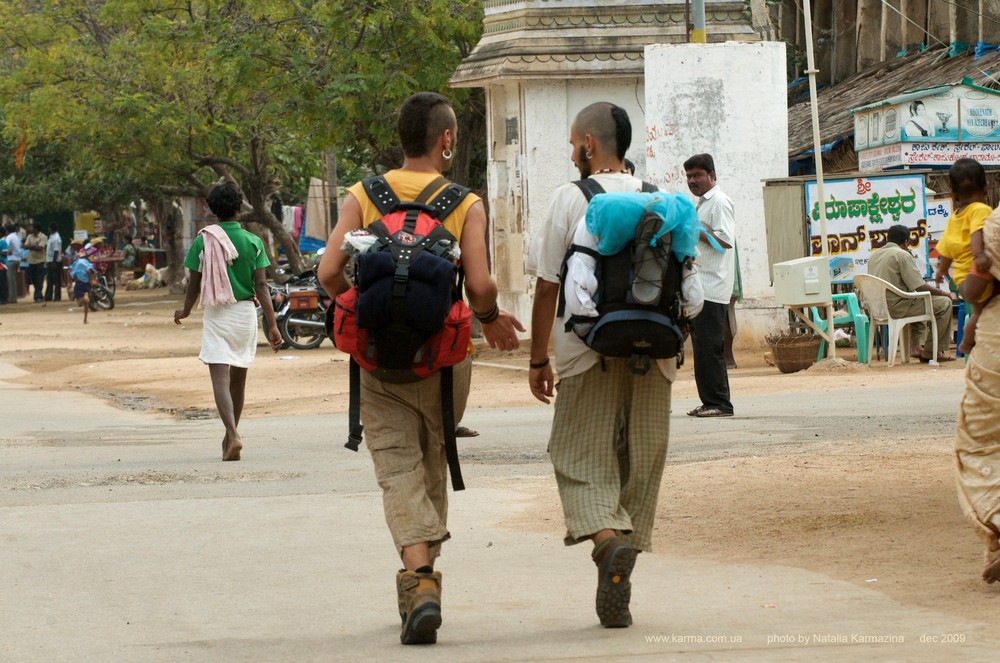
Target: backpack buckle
(639, 364)
(354, 438)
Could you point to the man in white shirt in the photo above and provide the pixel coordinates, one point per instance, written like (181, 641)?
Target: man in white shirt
(13, 261)
(717, 271)
(53, 265)
(608, 443)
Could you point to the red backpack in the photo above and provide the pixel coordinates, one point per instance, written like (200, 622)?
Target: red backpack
(404, 319)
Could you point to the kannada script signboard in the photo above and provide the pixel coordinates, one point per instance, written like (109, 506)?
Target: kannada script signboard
(938, 155)
(859, 212)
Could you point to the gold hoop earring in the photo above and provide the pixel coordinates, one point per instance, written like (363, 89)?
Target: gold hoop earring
(447, 154)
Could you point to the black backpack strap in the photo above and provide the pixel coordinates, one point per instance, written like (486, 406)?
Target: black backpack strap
(448, 422)
(590, 187)
(434, 185)
(355, 428)
(649, 188)
(448, 200)
(381, 194)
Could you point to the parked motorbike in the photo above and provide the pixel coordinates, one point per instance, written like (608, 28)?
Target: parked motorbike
(303, 327)
(279, 304)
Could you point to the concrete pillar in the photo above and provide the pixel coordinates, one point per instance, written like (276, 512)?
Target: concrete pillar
(728, 100)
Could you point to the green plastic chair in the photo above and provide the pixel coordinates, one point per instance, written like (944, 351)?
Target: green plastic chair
(854, 317)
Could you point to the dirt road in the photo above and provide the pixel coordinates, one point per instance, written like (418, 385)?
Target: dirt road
(865, 496)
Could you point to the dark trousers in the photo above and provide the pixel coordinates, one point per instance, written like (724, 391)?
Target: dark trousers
(53, 281)
(709, 358)
(3, 286)
(36, 274)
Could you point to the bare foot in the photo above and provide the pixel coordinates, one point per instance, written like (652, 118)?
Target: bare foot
(232, 450)
(968, 342)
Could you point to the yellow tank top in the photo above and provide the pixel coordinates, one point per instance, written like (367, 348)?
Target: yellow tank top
(407, 185)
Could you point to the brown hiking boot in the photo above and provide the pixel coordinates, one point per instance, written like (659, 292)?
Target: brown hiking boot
(614, 559)
(401, 595)
(419, 606)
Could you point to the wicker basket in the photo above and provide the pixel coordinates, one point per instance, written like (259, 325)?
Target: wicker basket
(794, 352)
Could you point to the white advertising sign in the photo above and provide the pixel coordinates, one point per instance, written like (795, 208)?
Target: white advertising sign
(859, 212)
(926, 154)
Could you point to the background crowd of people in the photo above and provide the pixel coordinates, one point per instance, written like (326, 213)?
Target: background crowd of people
(39, 260)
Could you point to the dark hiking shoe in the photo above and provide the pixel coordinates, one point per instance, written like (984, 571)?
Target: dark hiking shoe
(420, 606)
(401, 595)
(615, 560)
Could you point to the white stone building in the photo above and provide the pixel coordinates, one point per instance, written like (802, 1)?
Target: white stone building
(541, 62)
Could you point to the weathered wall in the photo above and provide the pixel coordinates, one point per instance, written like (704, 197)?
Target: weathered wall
(523, 174)
(728, 100)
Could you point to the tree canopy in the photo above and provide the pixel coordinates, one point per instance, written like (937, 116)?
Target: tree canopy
(170, 95)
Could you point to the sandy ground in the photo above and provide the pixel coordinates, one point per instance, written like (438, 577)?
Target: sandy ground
(890, 523)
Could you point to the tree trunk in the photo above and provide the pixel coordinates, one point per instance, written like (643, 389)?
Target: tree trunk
(937, 21)
(332, 185)
(471, 133)
(869, 26)
(823, 37)
(171, 223)
(845, 45)
(260, 185)
(113, 222)
(916, 11)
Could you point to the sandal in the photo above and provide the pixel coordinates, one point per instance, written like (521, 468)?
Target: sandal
(462, 431)
(712, 412)
(694, 412)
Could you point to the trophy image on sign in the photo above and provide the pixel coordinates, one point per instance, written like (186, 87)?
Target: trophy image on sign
(944, 117)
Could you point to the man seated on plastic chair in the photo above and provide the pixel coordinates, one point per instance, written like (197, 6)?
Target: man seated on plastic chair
(895, 264)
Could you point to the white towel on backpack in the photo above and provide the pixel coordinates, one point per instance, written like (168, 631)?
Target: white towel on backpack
(581, 282)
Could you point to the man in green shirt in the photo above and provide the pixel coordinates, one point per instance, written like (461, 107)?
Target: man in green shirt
(229, 336)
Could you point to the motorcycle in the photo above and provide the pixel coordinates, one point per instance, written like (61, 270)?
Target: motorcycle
(279, 304)
(303, 324)
(102, 295)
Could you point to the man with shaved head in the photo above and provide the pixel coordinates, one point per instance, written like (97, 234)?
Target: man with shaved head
(609, 431)
(403, 421)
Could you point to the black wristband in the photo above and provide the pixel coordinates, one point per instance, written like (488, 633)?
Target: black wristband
(490, 316)
(541, 364)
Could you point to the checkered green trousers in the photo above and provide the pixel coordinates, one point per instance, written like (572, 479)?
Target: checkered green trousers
(608, 448)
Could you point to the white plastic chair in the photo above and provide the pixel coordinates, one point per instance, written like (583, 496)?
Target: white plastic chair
(873, 291)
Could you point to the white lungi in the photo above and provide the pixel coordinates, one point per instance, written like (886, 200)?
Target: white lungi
(229, 334)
